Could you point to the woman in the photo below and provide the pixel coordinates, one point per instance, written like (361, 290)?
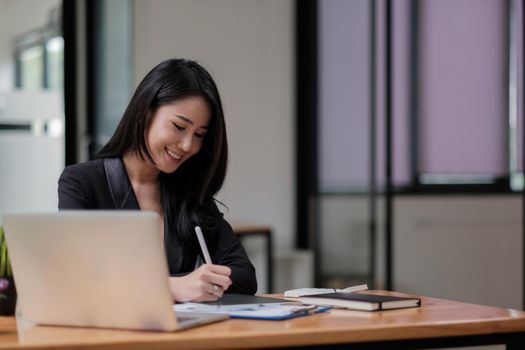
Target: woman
(169, 155)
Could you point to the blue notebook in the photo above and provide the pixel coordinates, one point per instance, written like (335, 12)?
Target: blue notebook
(277, 313)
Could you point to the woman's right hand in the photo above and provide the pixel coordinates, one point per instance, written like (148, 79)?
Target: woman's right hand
(207, 283)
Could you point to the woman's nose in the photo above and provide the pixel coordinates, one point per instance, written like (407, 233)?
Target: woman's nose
(185, 143)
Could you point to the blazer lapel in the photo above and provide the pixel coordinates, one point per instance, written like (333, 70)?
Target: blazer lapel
(124, 198)
(119, 185)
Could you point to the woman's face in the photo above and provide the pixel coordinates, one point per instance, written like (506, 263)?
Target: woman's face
(177, 131)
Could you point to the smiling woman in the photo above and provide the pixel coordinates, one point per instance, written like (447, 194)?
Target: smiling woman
(177, 131)
(169, 155)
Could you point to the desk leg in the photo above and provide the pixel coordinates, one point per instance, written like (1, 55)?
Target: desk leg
(269, 261)
(515, 345)
(269, 255)
(516, 342)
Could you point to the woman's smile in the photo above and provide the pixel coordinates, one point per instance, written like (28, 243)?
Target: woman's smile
(174, 156)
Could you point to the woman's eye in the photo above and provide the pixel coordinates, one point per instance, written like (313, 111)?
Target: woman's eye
(181, 128)
(200, 135)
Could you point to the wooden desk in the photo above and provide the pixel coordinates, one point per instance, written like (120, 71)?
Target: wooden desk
(437, 323)
(265, 231)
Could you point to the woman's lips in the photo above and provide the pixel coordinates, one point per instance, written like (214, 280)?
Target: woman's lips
(176, 157)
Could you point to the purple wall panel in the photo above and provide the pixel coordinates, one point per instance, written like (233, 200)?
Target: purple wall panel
(462, 89)
(463, 86)
(344, 93)
(519, 46)
(401, 90)
(400, 103)
(380, 93)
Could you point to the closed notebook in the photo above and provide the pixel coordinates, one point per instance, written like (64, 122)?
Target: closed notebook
(360, 301)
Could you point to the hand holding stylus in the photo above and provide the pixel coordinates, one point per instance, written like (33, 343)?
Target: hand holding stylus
(207, 283)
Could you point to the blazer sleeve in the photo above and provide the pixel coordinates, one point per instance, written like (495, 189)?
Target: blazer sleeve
(72, 193)
(226, 249)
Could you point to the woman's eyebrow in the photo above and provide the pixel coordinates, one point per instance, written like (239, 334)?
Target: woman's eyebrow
(184, 118)
(187, 120)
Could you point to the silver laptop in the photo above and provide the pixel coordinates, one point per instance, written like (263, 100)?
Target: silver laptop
(94, 269)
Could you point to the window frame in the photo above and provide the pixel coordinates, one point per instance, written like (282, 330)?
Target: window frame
(37, 37)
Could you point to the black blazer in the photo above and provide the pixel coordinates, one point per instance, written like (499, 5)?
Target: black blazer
(104, 184)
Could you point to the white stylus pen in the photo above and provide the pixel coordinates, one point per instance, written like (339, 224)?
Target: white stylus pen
(202, 243)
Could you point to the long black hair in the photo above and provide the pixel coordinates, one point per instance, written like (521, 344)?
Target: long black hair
(189, 191)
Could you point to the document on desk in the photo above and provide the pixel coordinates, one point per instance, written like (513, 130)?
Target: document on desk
(301, 292)
(254, 307)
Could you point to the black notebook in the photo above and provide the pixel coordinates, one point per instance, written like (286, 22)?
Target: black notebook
(360, 301)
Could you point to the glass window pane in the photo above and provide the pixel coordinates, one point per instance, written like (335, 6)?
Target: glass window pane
(31, 67)
(516, 123)
(463, 88)
(344, 94)
(113, 74)
(344, 120)
(401, 137)
(55, 63)
(344, 240)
